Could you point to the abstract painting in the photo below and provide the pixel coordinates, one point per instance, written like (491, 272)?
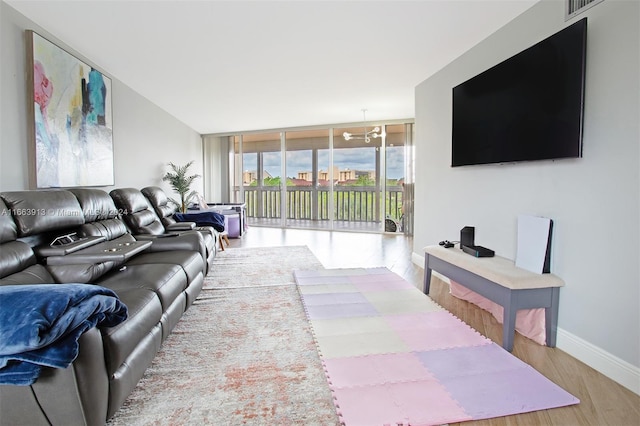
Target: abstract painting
(72, 119)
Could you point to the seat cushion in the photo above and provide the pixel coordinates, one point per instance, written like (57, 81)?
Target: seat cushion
(34, 274)
(166, 280)
(190, 261)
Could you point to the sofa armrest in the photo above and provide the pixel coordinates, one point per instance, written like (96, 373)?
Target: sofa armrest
(189, 240)
(181, 226)
(67, 248)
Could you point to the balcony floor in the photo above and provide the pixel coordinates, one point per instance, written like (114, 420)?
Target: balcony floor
(338, 225)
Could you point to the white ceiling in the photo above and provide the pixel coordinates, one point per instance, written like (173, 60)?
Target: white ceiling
(227, 66)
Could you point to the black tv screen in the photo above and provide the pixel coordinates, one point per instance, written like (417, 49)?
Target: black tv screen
(528, 107)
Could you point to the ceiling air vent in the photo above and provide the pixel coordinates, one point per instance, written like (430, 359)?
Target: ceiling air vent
(575, 7)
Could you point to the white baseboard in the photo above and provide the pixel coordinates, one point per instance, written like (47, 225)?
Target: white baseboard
(417, 259)
(616, 369)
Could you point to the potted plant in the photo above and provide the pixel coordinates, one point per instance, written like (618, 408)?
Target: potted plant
(181, 183)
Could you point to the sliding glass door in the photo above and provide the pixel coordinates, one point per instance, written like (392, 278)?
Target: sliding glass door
(308, 179)
(343, 178)
(262, 178)
(357, 160)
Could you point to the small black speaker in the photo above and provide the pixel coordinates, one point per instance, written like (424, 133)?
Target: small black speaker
(467, 236)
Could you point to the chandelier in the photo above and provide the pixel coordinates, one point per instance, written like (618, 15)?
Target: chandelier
(367, 135)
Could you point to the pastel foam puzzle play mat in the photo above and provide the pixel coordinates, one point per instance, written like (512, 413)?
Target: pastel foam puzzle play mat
(393, 356)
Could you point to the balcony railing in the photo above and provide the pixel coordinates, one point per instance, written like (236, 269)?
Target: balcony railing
(351, 203)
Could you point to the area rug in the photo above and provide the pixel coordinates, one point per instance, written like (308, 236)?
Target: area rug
(393, 356)
(243, 354)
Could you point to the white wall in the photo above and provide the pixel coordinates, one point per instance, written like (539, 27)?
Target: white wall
(594, 201)
(145, 137)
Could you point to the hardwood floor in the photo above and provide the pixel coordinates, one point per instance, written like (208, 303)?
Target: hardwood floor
(603, 401)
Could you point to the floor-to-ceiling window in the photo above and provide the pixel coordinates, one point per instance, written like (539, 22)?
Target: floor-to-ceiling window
(308, 179)
(343, 177)
(261, 176)
(395, 170)
(357, 190)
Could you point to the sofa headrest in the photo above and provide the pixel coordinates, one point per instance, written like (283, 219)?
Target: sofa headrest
(35, 212)
(131, 200)
(8, 229)
(155, 195)
(96, 204)
(160, 203)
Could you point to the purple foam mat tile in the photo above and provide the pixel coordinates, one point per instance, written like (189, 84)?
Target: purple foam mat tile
(504, 393)
(341, 311)
(424, 320)
(469, 361)
(333, 299)
(370, 370)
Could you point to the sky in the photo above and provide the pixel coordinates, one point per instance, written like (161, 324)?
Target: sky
(347, 158)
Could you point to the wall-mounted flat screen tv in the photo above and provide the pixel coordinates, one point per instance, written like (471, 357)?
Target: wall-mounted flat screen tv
(528, 107)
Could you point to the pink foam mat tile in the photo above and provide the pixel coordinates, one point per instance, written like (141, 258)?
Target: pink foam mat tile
(375, 369)
(425, 320)
(416, 403)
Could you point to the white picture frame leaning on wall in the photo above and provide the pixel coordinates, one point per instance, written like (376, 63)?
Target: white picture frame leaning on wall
(534, 243)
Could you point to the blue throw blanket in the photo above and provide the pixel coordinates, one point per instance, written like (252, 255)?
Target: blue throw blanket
(40, 325)
(213, 219)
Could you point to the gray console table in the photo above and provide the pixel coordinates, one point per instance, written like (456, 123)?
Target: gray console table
(499, 280)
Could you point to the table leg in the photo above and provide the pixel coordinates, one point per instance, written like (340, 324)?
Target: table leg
(551, 318)
(427, 275)
(509, 322)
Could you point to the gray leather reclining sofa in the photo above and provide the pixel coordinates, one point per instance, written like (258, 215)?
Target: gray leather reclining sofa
(141, 217)
(157, 279)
